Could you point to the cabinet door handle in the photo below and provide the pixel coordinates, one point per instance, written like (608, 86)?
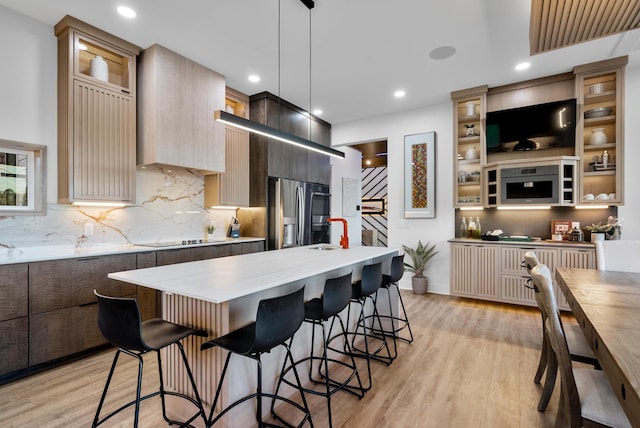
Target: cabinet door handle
(84, 259)
(125, 91)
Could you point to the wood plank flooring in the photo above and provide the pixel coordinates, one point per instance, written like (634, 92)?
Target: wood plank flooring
(471, 365)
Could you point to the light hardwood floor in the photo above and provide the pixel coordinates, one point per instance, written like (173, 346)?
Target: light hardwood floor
(471, 365)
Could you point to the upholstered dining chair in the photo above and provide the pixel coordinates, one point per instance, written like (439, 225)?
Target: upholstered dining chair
(618, 255)
(586, 396)
(579, 348)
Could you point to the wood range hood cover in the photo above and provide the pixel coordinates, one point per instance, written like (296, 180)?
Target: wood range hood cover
(556, 24)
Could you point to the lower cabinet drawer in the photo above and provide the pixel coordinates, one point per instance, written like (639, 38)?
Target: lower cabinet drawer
(63, 332)
(14, 344)
(513, 290)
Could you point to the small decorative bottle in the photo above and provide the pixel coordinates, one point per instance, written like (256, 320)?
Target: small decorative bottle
(463, 228)
(478, 231)
(605, 159)
(471, 228)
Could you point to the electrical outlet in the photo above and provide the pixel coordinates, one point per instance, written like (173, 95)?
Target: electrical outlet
(88, 229)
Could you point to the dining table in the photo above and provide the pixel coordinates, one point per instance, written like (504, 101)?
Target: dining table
(606, 304)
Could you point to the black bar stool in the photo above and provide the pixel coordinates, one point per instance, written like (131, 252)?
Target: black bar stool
(120, 323)
(397, 323)
(335, 298)
(277, 320)
(361, 292)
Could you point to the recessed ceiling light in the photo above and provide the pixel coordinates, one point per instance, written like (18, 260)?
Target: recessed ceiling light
(522, 66)
(254, 78)
(127, 12)
(443, 52)
(317, 112)
(399, 94)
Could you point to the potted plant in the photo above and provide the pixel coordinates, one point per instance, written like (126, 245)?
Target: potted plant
(420, 256)
(211, 227)
(599, 230)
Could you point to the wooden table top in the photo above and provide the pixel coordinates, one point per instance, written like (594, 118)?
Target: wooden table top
(607, 306)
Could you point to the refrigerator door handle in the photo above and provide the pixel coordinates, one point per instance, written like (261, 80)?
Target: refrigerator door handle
(300, 218)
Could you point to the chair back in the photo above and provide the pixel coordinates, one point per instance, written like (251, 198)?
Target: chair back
(530, 261)
(543, 287)
(618, 255)
(336, 296)
(371, 278)
(278, 319)
(397, 268)
(120, 323)
(569, 390)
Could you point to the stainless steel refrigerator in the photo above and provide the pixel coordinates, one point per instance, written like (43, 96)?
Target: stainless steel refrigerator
(298, 213)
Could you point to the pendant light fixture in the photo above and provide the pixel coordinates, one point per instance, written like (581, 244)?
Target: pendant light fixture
(277, 134)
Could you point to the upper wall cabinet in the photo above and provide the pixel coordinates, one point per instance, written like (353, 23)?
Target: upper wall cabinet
(600, 130)
(272, 158)
(96, 114)
(177, 99)
(231, 188)
(469, 114)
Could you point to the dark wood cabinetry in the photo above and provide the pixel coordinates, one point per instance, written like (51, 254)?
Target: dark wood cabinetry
(48, 310)
(62, 307)
(272, 158)
(14, 321)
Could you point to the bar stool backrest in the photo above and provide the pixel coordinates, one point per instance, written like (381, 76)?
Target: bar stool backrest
(371, 278)
(278, 319)
(336, 296)
(120, 323)
(397, 268)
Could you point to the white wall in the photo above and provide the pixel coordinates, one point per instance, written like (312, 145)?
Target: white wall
(630, 212)
(28, 76)
(349, 167)
(438, 230)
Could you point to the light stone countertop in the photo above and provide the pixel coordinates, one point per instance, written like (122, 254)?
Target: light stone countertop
(227, 278)
(56, 252)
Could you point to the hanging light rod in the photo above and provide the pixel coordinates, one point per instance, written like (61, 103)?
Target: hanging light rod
(308, 3)
(276, 134)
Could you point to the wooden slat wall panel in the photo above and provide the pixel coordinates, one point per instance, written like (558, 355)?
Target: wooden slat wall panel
(559, 23)
(195, 313)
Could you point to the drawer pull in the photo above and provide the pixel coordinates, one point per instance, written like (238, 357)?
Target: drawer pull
(84, 259)
(596, 343)
(623, 392)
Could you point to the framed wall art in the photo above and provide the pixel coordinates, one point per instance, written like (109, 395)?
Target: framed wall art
(420, 175)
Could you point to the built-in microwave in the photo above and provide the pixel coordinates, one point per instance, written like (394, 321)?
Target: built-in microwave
(530, 185)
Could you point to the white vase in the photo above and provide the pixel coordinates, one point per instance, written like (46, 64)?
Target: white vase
(471, 153)
(99, 68)
(471, 108)
(597, 236)
(598, 137)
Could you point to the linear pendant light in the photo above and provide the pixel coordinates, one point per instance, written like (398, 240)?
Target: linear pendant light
(276, 134)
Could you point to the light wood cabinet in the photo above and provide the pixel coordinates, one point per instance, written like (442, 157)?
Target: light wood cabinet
(96, 115)
(469, 115)
(600, 95)
(232, 187)
(494, 271)
(475, 271)
(176, 102)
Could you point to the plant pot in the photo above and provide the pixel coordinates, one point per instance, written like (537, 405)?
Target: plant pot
(419, 284)
(597, 236)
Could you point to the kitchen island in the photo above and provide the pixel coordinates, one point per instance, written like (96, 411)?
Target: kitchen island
(221, 295)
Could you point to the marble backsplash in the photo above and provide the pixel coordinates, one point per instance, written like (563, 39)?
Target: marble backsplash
(169, 207)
